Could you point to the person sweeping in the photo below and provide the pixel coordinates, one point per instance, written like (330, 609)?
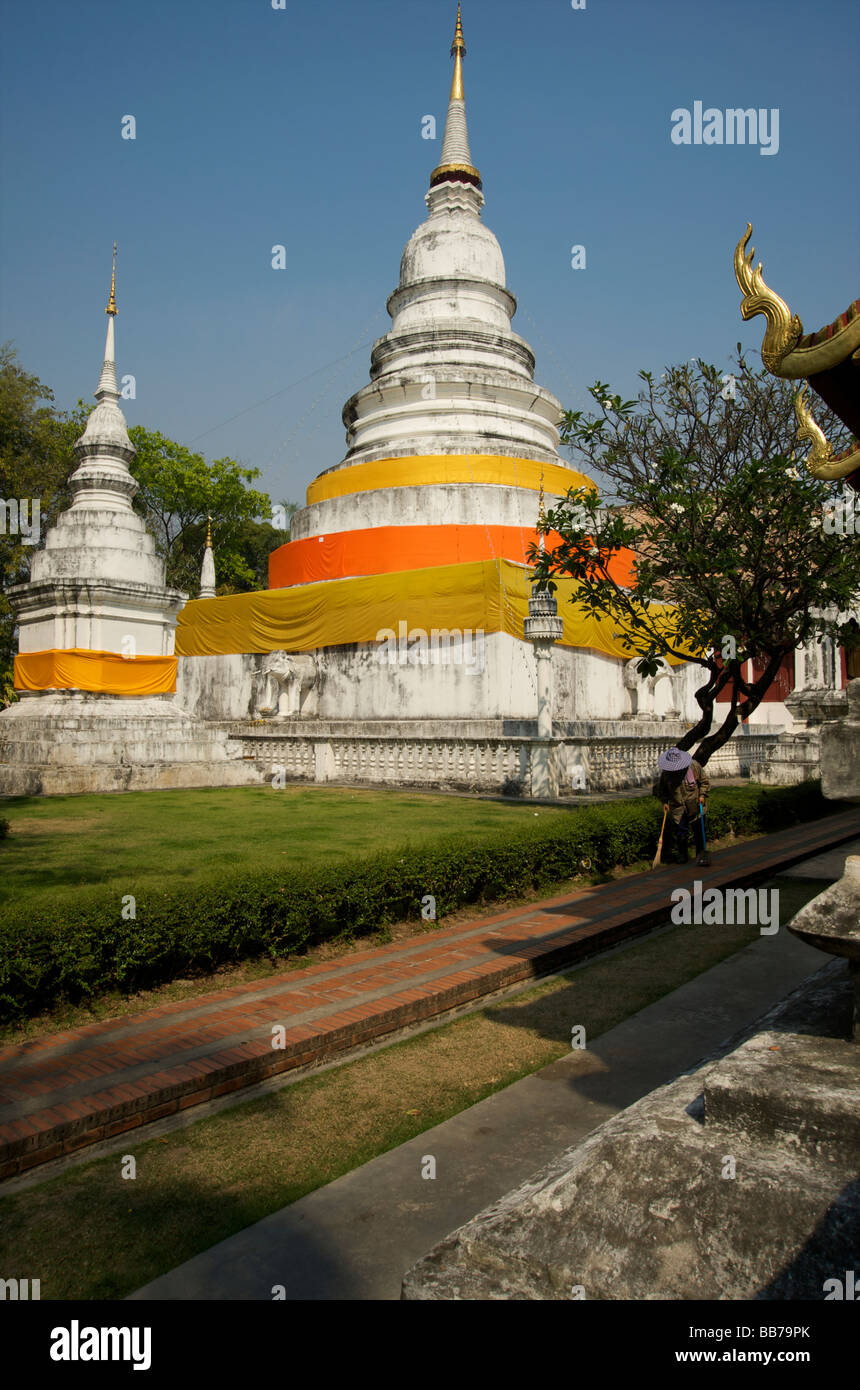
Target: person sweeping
(682, 786)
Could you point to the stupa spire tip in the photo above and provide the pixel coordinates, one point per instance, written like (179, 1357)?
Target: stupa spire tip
(458, 53)
(456, 162)
(111, 308)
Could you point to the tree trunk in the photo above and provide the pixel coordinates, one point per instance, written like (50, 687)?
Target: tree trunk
(755, 694)
(705, 697)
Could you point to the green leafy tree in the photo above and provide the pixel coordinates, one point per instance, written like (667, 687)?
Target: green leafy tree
(179, 489)
(738, 550)
(35, 463)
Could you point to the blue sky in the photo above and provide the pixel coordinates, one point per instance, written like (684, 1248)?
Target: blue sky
(302, 126)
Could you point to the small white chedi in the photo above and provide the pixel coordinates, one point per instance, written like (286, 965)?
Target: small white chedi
(96, 622)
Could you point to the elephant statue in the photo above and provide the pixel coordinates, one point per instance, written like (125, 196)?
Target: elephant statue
(287, 684)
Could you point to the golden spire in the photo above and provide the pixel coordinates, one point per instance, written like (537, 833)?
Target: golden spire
(111, 308)
(456, 161)
(209, 532)
(458, 53)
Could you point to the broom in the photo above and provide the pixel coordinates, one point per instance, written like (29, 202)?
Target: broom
(704, 859)
(660, 842)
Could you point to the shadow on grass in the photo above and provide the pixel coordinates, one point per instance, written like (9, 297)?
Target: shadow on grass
(92, 1234)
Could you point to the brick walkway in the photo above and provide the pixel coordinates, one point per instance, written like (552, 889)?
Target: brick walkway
(75, 1088)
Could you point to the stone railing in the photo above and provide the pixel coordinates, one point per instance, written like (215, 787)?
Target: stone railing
(477, 763)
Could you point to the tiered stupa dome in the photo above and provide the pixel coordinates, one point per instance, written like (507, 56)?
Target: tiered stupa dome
(451, 439)
(426, 525)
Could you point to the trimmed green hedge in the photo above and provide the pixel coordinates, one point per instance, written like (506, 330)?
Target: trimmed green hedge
(78, 952)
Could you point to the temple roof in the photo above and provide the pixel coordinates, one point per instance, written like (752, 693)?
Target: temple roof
(829, 360)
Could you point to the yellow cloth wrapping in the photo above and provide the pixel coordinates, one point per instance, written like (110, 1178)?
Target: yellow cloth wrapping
(485, 595)
(420, 469)
(101, 673)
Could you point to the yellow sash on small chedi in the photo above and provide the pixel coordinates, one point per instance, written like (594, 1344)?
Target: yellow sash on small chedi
(100, 673)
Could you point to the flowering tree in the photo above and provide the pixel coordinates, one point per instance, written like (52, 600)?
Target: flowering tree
(739, 551)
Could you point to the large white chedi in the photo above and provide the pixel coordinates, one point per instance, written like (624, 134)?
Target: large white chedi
(451, 377)
(451, 435)
(452, 431)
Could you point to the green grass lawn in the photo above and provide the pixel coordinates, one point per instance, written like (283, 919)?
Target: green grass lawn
(146, 839)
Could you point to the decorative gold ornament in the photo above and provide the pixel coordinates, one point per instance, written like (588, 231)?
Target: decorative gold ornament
(821, 461)
(111, 308)
(784, 329)
(786, 350)
(208, 532)
(454, 169)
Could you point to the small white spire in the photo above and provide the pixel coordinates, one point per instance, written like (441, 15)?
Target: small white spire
(107, 387)
(104, 448)
(207, 570)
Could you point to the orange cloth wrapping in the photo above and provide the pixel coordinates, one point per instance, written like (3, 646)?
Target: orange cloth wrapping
(390, 549)
(420, 469)
(101, 673)
(485, 595)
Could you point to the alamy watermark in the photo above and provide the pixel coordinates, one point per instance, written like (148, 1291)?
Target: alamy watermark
(438, 647)
(840, 516)
(20, 1289)
(14, 522)
(734, 126)
(76, 1343)
(717, 907)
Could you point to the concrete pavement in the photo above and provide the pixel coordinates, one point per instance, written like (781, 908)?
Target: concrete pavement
(354, 1238)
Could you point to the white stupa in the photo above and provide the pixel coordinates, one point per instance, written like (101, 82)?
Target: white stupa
(98, 584)
(95, 671)
(452, 403)
(449, 447)
(207, 569)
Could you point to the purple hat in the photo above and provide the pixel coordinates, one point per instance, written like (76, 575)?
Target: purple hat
(674, 760)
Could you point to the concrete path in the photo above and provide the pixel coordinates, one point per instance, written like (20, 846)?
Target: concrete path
(829, 866)
(356, 1237)
(65, 1091)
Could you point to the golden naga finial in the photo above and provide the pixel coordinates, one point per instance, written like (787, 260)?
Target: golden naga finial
(208, 532)
(458, 53)
(784, 329)
(820, 461)
(111, 308)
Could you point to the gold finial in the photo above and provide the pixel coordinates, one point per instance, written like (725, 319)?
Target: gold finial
(458, 53)
(208, 532)
(783, 329)
(111, 308)
(821, 461)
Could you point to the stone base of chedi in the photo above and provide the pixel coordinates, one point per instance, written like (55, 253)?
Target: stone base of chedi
(642, 1209)
(64, 743)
